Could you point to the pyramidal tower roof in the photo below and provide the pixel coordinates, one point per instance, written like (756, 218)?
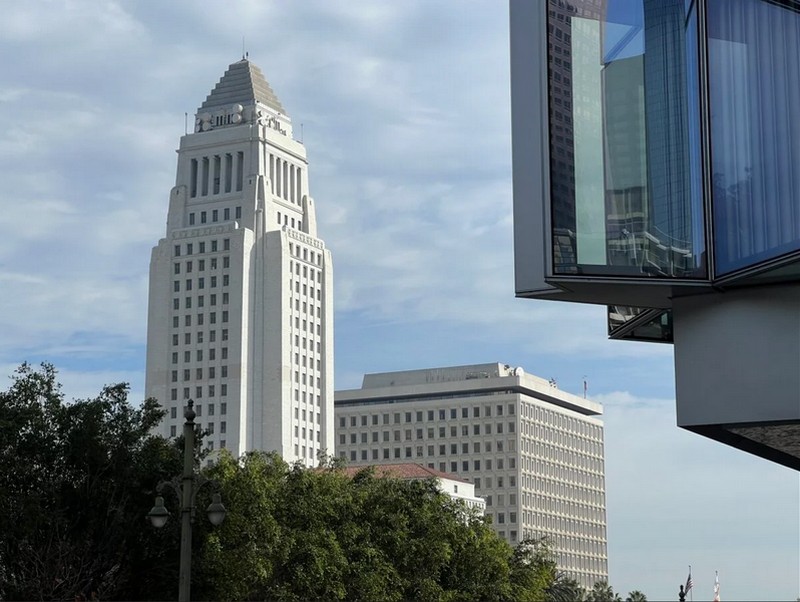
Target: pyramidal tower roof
(242, 83)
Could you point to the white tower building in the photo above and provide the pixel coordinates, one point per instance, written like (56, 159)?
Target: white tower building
(240, 312)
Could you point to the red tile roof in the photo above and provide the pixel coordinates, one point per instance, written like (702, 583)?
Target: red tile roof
(408, 470)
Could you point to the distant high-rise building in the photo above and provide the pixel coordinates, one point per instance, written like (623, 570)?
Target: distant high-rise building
(240, 314)
(532, 451)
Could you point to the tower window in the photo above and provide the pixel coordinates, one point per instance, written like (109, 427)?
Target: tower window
(193, 183)
(228, 171)
(239, 170)
(217, 167)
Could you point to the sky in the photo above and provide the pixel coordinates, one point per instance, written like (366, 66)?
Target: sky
(405, 116)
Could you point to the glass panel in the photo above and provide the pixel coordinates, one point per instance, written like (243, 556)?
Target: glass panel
(754, 86)
(620, 315)
(624, 139)
(656, 328)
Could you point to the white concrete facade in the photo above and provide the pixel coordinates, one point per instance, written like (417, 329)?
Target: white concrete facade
(533, 452)
(240, 314)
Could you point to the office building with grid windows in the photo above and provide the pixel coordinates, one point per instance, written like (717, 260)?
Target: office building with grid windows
(240, 312)
(532, 451)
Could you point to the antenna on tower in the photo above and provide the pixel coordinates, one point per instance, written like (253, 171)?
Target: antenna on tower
(301, 133)
(244, 53)
(185, 123)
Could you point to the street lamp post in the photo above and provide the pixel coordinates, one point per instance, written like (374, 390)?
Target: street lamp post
(186, 487)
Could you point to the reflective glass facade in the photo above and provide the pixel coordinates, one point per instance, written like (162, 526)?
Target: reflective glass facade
(754, 91)
(656, 146)
(639, 324)
(632, 180)
(626, 193)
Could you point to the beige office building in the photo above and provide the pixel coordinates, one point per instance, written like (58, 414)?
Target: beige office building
(533, 451)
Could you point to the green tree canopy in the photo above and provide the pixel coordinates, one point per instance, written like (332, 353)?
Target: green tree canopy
(298, 534)
(77, 479)
(73, 481)
(602, 592)
(565, 589)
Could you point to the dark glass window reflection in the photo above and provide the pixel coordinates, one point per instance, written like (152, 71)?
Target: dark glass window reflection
(654, 325)
(624, 142)
(754, 87)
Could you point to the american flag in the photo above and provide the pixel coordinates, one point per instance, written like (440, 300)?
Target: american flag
(689, 583)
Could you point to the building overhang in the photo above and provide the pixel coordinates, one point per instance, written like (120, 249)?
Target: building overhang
(653, 173)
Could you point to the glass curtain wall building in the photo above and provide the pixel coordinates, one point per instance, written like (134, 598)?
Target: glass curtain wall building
(656, 160)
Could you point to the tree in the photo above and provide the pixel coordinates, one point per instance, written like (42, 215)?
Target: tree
(297, 534)
(602, 592)
(565, 589)
(636, 596)
(533, 570)
(73, 481)
(76, 480)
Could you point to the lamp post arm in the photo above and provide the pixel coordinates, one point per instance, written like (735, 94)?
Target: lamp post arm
(174, 484)
(199, 482)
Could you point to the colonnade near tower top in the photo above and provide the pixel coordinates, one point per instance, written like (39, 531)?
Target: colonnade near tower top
(220, 174)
